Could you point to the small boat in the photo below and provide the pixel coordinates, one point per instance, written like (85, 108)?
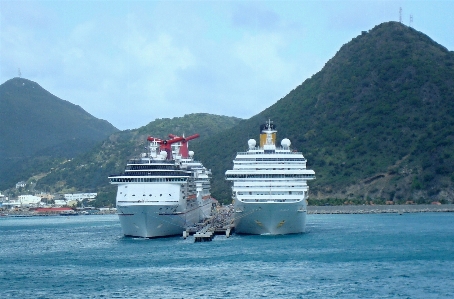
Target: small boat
(69, 213)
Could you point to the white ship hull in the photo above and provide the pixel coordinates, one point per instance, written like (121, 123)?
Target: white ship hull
(275, 218)
(164, 191)
(152, 221)
(270, 187)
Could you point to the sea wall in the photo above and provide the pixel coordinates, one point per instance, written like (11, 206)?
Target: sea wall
(375, 209)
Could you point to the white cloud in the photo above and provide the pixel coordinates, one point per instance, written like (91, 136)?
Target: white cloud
(130, 62)
(261, 54)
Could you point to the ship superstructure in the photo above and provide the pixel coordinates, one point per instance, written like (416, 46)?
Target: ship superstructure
(164, 191)
(270, 188)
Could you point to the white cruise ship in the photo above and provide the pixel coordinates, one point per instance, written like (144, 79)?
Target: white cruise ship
(269, 187)
(164, 191)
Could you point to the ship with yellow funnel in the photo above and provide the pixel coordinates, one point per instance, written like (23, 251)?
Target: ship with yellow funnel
(270, 188)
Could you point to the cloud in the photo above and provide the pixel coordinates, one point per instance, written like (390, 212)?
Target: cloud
(260, 53)
(254, 16)
(130, 62)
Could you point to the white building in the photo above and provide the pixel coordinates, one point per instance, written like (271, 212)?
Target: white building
(20, 184)
(80, 196)
(60, 202)
(2, 199)
(29, 199)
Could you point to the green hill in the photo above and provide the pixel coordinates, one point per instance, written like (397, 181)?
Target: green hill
(37, 127)
(376, 123)
(89, 171)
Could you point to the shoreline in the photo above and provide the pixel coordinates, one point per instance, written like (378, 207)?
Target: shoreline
(378, 209)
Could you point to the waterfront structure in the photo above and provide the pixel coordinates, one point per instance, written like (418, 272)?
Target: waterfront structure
(60, 202)
(164, 191)
(270, 188)
(27, 200)
(45, 196)
(79, 196)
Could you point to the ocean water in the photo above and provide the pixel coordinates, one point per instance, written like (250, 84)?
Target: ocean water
(340, 256)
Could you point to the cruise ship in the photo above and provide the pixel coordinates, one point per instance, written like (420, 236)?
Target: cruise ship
(164, 191)
(270, 188)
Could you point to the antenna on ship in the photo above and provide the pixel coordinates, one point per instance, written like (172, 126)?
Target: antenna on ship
(400, 14)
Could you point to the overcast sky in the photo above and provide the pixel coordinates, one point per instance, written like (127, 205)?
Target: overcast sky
(130, 62)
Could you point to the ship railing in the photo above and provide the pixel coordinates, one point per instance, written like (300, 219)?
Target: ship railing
(285, 151)
(282, 176)
(145, 173)
(147, 201)
(151, 161)
(262, 200)
(188, 161)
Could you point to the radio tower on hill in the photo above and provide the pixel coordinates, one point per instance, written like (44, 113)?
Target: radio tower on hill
(411, 20)
(400, 14)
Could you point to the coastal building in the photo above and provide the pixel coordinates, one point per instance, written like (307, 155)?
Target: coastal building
(72, 203)
(52, 211)
(60, 202)
(45, 196)
(21, 184)
(11, 204)
(27, 200)
(2, 199)
(80, 196)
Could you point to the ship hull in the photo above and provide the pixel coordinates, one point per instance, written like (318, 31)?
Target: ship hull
(274, 218)
(154, 221)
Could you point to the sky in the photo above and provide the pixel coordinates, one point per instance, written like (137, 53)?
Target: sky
(131, 62)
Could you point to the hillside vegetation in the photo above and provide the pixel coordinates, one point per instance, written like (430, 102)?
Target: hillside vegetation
(376, 123)
(88, 172)
(37, 129)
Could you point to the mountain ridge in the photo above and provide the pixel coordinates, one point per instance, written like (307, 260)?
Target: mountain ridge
(376, 124)
(90, 170)
(378, 101)
(37, 124)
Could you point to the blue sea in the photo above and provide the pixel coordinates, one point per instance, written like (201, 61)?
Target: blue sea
(340, 256)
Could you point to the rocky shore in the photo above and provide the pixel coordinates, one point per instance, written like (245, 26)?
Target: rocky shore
(376, 209)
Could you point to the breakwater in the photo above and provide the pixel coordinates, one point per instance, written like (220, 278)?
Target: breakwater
(378, 209)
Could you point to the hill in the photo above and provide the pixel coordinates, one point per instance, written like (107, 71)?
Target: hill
(38, 127)
(88, 172)
(376, 123)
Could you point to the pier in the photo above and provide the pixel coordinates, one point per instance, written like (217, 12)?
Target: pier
(221, 223)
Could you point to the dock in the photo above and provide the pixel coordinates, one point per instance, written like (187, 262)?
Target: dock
(204, 235)
(221, 223)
